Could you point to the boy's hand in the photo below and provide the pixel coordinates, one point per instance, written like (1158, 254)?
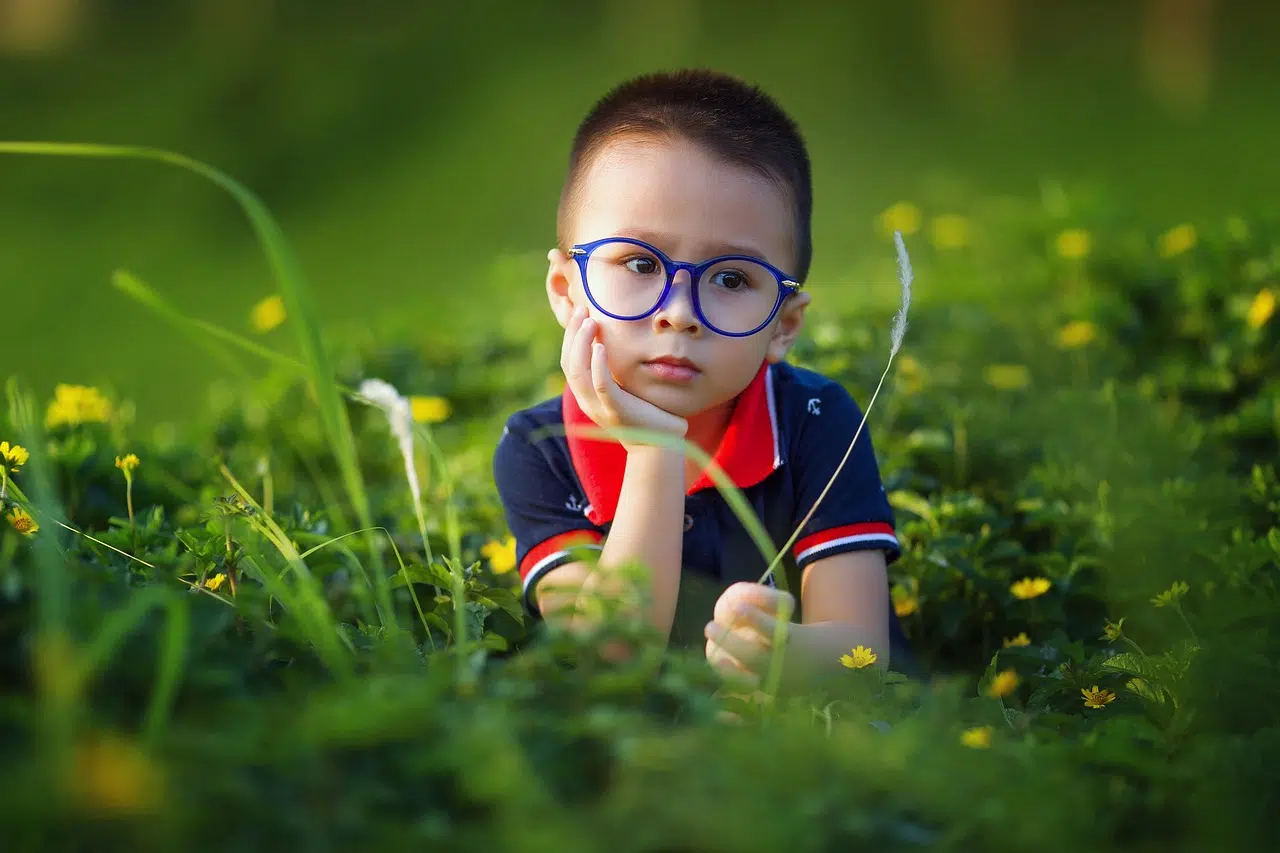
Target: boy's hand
(586, 370)
(740, 636)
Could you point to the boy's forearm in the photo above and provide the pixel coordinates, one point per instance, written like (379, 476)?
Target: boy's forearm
(814, 651)
(648, 528)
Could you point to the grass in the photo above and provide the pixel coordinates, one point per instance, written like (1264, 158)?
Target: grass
(1110, 500)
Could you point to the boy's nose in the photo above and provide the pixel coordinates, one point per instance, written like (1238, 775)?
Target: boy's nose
(677, 310)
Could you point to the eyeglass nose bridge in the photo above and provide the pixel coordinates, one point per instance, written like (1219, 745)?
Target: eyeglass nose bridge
(673, 269)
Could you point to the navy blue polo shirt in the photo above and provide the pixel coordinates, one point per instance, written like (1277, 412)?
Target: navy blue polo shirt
(788, 432)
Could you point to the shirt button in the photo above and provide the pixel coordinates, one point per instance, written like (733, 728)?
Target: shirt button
(688, 522)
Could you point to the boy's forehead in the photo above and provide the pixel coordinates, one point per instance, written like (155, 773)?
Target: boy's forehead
(679, 194)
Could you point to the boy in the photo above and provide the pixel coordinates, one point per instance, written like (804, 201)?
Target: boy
(684, 236)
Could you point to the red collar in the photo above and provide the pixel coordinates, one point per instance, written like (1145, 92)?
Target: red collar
(748, 452)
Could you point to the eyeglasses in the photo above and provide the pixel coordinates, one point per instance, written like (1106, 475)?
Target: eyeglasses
(733, 295)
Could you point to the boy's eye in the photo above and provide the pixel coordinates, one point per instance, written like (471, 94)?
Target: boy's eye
(731, 279)
(642, 265)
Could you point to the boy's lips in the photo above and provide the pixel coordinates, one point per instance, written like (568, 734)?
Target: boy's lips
(674, 361)
(673, 368)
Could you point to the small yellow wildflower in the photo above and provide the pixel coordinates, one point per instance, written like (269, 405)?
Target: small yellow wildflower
(1237, 229)
(1076, 334)
(1003, 684)
(1030, 588)
(1007, 377)
(22, 521)
(268, 314)
(214, 582)
(978, 737)
(1096, 698)
(1112, 631)
(501, 555)
(1261, 309)
(430, 410)
(111, 774)
(950, 232)
(1016, 642)
(13, 457)
(861, 657)
(904, 602)
(128, 464)
(73, 405)
(1177, 240)
(1171, 595)
(1073, 244)
(903, 216)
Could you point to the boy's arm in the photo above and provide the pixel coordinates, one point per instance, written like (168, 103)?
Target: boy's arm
(845, 600)
(648, 529)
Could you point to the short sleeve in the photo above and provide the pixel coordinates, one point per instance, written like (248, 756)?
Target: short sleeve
(543, 506)
(855, 513)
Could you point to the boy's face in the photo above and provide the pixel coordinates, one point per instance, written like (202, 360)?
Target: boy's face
(679, 198)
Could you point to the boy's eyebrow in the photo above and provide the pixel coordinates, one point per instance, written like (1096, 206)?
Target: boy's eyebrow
(713, 250)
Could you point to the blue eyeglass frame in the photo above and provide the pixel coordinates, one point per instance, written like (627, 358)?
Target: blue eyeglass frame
(787, 286)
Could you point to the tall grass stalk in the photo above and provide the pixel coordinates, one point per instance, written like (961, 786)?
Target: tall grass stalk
(52, 585)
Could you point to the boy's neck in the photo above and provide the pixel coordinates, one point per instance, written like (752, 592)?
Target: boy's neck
(706, 429)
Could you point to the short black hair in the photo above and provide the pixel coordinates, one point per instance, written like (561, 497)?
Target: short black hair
(731, 118)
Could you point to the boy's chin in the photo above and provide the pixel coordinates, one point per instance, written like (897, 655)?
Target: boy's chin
(681, 402)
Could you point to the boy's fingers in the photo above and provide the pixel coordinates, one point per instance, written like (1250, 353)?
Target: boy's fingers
(579, 373)
(570, 333)
(730, 668)
(747, 647)
(601, 379)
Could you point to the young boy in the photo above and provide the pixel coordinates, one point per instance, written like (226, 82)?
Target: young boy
(683, 241)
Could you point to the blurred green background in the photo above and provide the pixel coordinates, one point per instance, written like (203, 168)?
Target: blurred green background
(413, 151)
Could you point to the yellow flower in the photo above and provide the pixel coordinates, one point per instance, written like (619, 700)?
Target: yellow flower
(1171, 595)
(1177, 240)
(1112, 631)
(1007, 377)
(214, 582)
(904, 603)
(1076, 334)
(1003, 684)
(1014, 642)
(22, 521)
(860, 658)
(128, 464)
(268, 314)
(430, 410)
(501, 555)
(903, 216)
(13, 456)
(1095, 698)
(111, 774)
(976, 738)
(1261, 309)
(1073, 244)
(73, 405)
(1030, 588)
(950, 232)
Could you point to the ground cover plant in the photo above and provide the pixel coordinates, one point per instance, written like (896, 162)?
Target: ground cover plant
(296, 621)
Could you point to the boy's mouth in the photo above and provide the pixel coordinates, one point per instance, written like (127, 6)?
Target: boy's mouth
(673, 368)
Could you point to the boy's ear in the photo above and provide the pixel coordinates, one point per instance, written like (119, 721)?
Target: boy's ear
(560, 287)
(787, 329)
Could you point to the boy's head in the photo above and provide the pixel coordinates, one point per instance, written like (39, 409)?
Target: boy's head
(697, 165)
